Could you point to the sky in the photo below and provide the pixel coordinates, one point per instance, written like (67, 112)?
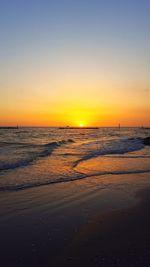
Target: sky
(72, 62)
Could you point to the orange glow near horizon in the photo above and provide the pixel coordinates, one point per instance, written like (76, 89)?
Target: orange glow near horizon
(77, 118)
(76, 106)
(75, 100)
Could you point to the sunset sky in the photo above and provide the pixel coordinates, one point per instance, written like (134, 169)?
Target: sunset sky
(72, 62)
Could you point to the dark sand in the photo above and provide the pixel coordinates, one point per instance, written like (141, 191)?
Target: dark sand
(117, 238)
(92, 222)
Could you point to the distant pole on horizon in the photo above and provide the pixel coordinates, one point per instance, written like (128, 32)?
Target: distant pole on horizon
(119, 126)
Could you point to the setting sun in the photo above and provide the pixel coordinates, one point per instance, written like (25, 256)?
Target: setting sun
(81, 125)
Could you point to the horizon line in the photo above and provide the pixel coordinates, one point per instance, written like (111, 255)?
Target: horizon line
(66, 127)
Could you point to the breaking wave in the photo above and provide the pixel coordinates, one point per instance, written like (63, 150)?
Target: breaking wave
(38, 151)
(114, 147)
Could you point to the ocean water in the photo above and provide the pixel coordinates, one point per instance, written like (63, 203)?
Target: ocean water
(32, 157)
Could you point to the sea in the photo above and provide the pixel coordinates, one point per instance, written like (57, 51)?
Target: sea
(31, 157)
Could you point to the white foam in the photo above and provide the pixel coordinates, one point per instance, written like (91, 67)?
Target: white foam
(121, 146)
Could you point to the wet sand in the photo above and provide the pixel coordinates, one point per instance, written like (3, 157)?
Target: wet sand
(117, 238)
(98, 221)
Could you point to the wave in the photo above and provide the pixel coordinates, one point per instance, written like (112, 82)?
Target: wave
(114, 147)
(80, 176)
(44, 151)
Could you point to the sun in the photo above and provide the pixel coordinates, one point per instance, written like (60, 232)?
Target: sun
(81, 125)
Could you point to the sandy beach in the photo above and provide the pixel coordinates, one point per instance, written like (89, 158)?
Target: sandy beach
(103, 221)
